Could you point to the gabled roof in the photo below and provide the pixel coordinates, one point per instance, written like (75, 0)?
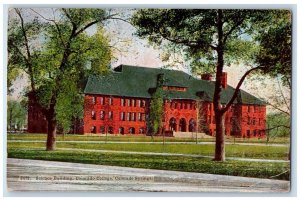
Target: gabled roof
(134, 81)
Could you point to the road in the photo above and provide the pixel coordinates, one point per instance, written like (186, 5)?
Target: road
(36, 175)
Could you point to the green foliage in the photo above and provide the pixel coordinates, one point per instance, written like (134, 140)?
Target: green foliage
(276, 48)
(156, 110)
(16, 115)
(278, 125)
(59, 58)
(195, 32)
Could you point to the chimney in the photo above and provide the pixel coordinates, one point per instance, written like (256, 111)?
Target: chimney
(206, 76)
(224, 80)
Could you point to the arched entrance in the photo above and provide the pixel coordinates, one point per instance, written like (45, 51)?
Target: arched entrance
(172, 124)
(131, 130)
(192, 125)
(182, 125)
(121, 130)
(110, 130)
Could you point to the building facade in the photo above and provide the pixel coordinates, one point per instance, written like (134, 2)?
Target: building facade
(119, 103)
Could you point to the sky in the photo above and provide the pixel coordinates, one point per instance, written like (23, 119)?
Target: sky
(131, 50)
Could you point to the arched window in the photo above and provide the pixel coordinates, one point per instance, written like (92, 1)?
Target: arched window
(182, 125)
(93, 129)
(102, 129)
(131, 130)
(110, 130)
(93, 115)
(172, 124)
(121, 130)
(142, 131)
(192, 125)
(102, 115)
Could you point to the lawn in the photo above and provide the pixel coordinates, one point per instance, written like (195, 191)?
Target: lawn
(35, 150)
(262, 152)
(139, 138)
(189, 164)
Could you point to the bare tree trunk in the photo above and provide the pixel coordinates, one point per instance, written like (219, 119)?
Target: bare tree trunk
(220, 139)
(50, 146)
(52, 125)
(220, 146)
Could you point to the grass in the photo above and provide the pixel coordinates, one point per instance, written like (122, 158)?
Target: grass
(35, 150)
(260, 152)
(132, 138)
(189, 164)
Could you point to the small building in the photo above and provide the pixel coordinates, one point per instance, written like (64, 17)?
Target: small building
(119, 103)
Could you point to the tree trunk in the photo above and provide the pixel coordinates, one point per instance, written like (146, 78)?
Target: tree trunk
(220, 138)
(220, 146)
(50, 146)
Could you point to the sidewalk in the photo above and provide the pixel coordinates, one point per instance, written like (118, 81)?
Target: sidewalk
(37, 175)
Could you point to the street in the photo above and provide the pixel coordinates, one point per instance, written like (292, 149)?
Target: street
(37, 175)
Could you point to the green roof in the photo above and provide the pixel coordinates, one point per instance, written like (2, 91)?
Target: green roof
(134, 81)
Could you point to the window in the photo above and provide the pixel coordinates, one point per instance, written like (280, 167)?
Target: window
(102, 115)
(94, 100)
(139, 103)
(133, 116)
(128, 116)
(128, 102)
(102, 129)
(122, 102)
(249, 108)
(93, 115)
(110, 101)
(139, 117)
(143, 103)
(254, 121)
(110, 115)
(259, 121)
(254, 133)
(248, 133)
(175, 105)
(131, 130)
(102, 100)
(143, 117)
(133, 103)
(208, 119)
(122, 116)
(141, 131)
(93, 129)
(249, 121)
(110, 130)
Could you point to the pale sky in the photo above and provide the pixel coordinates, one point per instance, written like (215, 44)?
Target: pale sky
(135, 51)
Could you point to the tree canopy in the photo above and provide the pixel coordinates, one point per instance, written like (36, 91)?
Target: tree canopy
(58, 54)
(211, 39)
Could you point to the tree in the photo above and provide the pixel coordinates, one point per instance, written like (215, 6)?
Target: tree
(212, 38)
(56, 54)
(16, 115)
(156, 111)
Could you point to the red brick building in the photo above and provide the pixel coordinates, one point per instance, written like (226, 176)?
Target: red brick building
(118, 103)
